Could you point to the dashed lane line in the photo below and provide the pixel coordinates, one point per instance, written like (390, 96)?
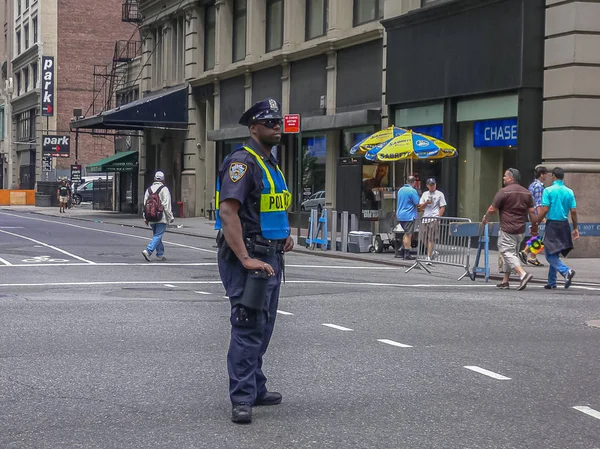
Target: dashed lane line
(588, 411)
(335, 326)
(281, 312)
(488, 373)
(394, 343)
(111, 232)
(170, 285)
(203, 293)
(49, 246)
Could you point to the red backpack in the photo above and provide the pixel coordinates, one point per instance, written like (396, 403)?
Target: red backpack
(153, 209)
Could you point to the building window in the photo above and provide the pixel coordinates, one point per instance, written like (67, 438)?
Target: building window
(26, 4)
(34, 75)
(367, 11)
(316, 18)
(239, 30)
(18, 42)
(25, 79)
(26, 35)
(157, 56)
(2, 117)
(34, 25)
(178, 48)
(210, 26)
(18, 77)
(274, 24)
(18, 7)
(26, 126)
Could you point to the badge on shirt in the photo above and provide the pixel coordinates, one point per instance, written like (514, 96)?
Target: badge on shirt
(237, 170)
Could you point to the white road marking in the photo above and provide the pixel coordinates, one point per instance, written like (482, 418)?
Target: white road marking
(170, 285)
(43, 259)
(335, 326)
(281, 312)
(110, 232)
(588, 411)
(5, 262)
(61, 284)
(394, 343)
(117, 264)
(203, 293)
(485, 372)
(66, 253)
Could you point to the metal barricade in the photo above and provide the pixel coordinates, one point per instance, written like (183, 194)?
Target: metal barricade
(439, 243)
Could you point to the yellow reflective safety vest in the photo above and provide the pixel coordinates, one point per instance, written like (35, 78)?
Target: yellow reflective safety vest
(275, 200)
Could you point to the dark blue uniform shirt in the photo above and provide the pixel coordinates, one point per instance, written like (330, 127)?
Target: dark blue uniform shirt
(242, 179)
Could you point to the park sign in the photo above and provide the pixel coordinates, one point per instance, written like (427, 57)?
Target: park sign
(56, 146)
(47, 86)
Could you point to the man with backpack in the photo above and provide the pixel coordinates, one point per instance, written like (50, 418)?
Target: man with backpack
(157, 213)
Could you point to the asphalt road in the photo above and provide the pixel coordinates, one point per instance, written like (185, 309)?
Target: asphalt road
(101, 349)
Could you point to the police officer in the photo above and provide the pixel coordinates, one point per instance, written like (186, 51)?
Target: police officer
(252, 201)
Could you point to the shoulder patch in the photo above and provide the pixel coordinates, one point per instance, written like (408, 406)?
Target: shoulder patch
(237, 170)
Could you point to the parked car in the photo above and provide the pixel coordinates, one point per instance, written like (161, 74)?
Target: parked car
(84, 192)
(315, 201)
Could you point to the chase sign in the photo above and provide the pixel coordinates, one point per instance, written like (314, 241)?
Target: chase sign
(495, 133)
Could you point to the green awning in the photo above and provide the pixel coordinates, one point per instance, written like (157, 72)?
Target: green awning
(125, 161)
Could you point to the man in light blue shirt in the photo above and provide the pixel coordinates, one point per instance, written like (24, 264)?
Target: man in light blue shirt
(557, 201)
(406, 212)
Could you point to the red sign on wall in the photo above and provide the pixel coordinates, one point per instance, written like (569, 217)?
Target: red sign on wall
(291, 124)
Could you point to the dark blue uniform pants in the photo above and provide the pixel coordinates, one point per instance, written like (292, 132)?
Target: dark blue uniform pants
(249, 342)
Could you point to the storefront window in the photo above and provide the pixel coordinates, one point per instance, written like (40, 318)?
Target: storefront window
(314, 150)
(352, 136)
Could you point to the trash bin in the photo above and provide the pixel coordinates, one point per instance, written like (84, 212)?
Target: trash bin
(360, 241)
(42, 200)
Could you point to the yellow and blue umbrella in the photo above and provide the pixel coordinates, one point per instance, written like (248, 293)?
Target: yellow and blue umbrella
(410, 145)
(380, 137)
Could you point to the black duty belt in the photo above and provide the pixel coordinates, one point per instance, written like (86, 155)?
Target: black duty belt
(259, 245)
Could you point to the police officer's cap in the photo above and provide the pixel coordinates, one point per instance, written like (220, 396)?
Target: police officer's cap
(263, 110)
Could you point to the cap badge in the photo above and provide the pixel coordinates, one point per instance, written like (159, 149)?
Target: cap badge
(273, 105)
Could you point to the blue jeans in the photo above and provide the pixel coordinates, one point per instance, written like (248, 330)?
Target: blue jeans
(158, 229)
(555, 265)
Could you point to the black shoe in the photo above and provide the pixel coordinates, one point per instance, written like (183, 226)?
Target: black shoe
(569, 278)
(523, 257)
(241, 413)
(503, 285)
(525, 281)
(271, 398)
(550, 286)
(407, 255)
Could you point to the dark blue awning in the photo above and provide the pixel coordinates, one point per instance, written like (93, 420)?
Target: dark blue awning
(166, 109)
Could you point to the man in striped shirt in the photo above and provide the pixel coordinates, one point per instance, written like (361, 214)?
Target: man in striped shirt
(537, 189)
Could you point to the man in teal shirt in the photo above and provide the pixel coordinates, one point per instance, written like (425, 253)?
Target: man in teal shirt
(406, 213)
(557, 201)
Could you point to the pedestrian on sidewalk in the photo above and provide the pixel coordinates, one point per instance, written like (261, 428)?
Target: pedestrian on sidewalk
(557, 201)
(63, 196)
(537, 189)
(406, 213)
(157, 213)
(252, 199)
(434, 203)
(513, 202)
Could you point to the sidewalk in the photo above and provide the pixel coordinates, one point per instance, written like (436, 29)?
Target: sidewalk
(587, 269)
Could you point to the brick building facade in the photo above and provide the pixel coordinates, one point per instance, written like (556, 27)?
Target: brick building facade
(79, 35)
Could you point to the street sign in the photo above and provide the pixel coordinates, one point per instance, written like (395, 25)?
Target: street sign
(47, 86)
(46, 163)
(56, 146)
(76, 173)
(291, 123)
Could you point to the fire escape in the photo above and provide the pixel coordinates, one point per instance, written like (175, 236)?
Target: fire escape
(109, 79)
